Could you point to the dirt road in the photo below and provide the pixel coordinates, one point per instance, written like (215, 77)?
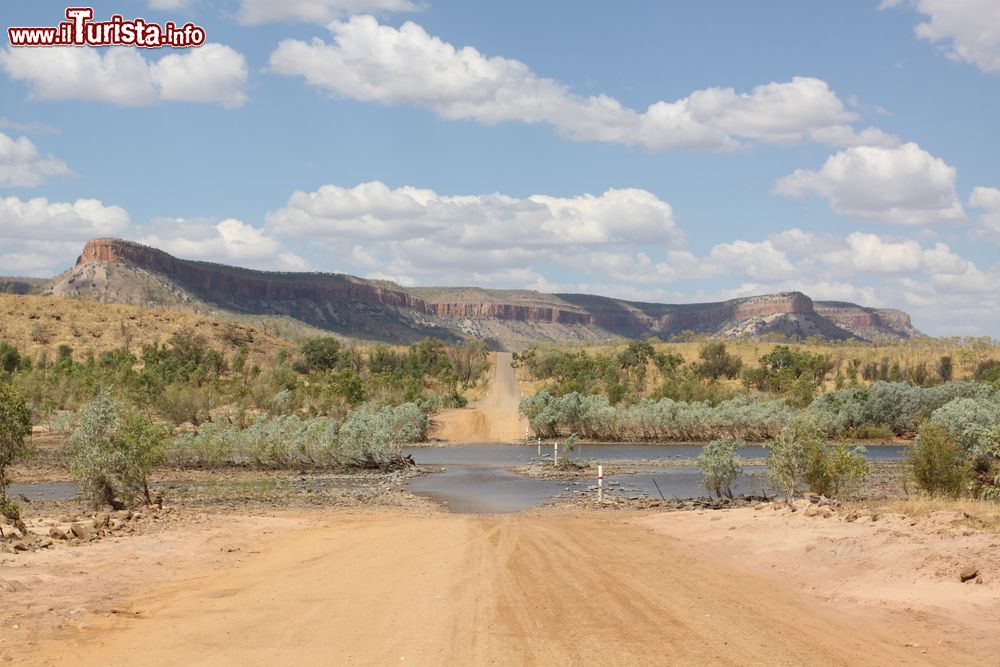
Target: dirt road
(465, 590)
(494, 419)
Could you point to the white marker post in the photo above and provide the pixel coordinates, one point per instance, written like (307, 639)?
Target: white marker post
(555, 453)
(600, 484)
(539, 446)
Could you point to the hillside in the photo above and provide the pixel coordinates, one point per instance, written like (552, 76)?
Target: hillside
(36, 324)
(117, 271)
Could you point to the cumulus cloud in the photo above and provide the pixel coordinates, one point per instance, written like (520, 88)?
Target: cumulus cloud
(168, 5)
(254, 12)
(379, 63)
(374, 211)
(965, 30)
(41, 220)
(23, 166)
(759, 261)
(229, 240)
(211, 73)
(988, 200)
(905, 185)
(122, 75)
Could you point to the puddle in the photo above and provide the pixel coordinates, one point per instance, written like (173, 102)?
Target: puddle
(475, 479)
(45, 490)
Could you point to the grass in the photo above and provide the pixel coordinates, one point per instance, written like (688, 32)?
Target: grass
(34, 324)
(981, 514)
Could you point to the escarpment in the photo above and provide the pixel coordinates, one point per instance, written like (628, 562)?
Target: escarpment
(117, 270)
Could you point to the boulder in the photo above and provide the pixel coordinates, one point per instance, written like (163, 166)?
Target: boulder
(968, 573)
(83, 531)
(102, 519)
(58, 534)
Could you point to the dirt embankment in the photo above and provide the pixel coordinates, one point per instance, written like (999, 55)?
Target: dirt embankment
(546, 588)
(494, 419)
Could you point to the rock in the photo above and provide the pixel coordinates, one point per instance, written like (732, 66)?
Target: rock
(852, 517)
(58, 534)
(64, 519)
(83, 531)
(44, 543)
(115, 524)
(122, 515)
(12, 533)
(20, 546)
(102, 519)
(968, 573)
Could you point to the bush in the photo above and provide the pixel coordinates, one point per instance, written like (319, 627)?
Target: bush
(717, 363)
(969, 421)
(321, 354)
(794, 452)
(940, 466)
(112, 450)
(15, 427)
(374, 437)
(721, 466)
(836, 470)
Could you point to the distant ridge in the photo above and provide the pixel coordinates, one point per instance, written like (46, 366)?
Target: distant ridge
(113, 270)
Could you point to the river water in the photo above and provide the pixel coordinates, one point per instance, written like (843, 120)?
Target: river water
(475, 479)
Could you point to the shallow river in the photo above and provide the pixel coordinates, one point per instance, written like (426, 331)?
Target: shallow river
(475, 479)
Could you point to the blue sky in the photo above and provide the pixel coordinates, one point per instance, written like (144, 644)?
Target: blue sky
(659, 151)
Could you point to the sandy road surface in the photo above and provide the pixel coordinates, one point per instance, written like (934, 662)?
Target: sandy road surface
(490, 420)
(465, 590)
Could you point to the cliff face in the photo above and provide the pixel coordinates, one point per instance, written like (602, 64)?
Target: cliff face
(352, 305)
(867, 322)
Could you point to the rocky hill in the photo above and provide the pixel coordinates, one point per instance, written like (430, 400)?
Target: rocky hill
(119, 271)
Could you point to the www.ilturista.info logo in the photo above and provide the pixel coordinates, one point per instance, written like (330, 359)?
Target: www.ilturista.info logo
(80, 30)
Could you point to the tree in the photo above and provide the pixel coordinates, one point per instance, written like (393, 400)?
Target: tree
(939, 463)
(717, 363)
(112, 450)
(721, 465)
(946, 368)
(321, 354)
(15, 427)
(790, 453)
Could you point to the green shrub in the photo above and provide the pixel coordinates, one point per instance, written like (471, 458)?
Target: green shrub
(15, 427)
(716, 362)
(721, 465)
(940, 465)
(112, 450)
(835, 470)
(794, 454)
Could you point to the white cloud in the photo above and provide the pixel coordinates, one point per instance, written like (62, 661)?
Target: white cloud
(229, 240)
(28, 128)
(168, 5)
(904, 185)
(22, 166)
(988, 200)
(376, 212)
(123, 76)
(759, 261)
(210, 73)
(966, 30)
(254, 12)
(379, 63)
(41, 220)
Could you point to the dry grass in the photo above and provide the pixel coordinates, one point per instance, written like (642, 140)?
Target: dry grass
(965, 353)
(36, 324)
(981, 514)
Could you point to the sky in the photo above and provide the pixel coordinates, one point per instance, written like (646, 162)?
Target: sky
(648, 150)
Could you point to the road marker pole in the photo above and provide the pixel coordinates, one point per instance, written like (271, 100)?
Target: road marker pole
(555, 453)
(600, 484)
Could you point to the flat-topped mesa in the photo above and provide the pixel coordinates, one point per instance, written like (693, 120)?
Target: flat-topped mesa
(228, 281)
(339, 302)
(858, 319)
